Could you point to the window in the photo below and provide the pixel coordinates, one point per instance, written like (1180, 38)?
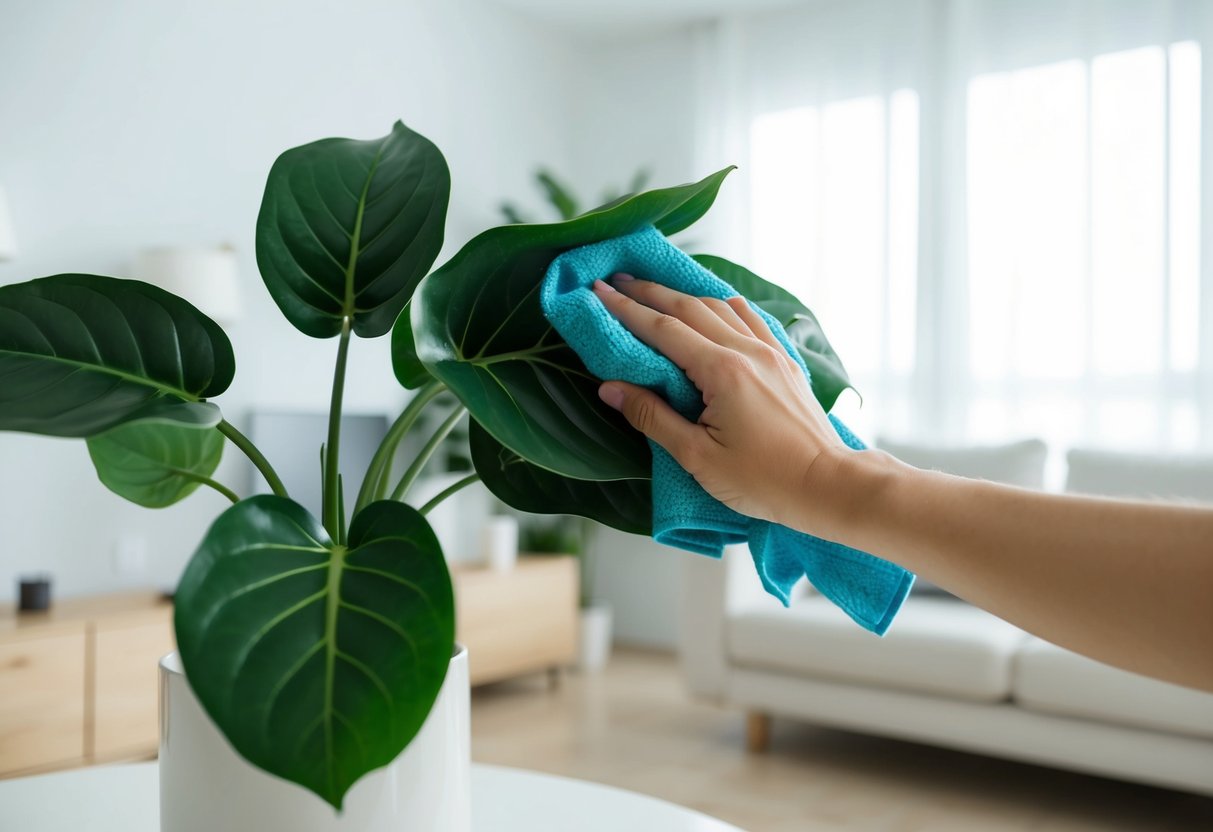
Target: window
(834, 192)
(1063, 242)
(1082, 194)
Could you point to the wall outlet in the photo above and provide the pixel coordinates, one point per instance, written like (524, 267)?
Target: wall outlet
(130, 554)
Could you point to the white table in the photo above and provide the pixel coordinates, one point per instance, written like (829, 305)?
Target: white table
(124, 798)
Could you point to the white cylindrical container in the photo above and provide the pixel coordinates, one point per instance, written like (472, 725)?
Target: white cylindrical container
(595, 637)
(206, 786)
(499, 543)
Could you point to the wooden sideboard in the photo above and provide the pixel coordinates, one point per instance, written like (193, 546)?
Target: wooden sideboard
(78, 684)
(518, 622)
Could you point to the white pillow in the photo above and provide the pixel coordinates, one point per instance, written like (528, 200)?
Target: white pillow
(1111, 474)
(1017, 463)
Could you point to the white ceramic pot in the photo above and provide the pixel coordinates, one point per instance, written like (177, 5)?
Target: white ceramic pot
(595, 637)
(205, 786)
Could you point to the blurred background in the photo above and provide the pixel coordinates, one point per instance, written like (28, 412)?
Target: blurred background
(996, 209)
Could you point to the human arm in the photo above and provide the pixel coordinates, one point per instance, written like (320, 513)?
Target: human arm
(1127, 583)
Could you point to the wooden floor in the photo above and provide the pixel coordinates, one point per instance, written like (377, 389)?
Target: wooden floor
(633, 727)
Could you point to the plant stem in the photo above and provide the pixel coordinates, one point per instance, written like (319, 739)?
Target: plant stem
(381, 463)
(255, 456)
(218, 486)
(448, 491)
(332, 454)
(444, 429)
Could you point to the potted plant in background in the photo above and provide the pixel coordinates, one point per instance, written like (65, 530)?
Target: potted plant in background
(322, 649)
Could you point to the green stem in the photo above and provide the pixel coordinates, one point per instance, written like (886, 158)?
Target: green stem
(381, 463)
(443, 431)
(255, 456)
(448, 491)
(332, 453)
(218, 486)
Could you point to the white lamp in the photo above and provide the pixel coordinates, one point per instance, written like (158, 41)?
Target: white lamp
(209, 278)
(8, 238)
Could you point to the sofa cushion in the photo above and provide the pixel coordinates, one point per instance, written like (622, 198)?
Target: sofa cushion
(1053, 680)
(1111, 474)
(937, 645)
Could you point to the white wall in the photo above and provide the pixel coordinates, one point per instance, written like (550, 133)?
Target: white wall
(137, 123)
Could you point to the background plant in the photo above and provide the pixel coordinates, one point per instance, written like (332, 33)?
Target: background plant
(318, 645)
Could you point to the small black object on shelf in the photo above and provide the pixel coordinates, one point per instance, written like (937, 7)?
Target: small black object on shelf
(35, 594)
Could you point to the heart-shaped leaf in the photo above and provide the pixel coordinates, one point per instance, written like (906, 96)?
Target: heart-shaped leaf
(626, 505)
(347, 229)
(409, 370)
(80, 354)
(319, 662)
(478, 327)
(828, 377)
(155, 464)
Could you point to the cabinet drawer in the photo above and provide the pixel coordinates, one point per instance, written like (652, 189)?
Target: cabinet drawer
(125, 721)
(42, 700)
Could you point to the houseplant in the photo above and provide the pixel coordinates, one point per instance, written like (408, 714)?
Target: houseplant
(318, 645)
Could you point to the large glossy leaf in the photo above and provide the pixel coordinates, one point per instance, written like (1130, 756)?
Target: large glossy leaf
(827, 375)
(319, 662)
(154, 464)
(347, 229)
(477, 326)
(80, 354)
(622, 504)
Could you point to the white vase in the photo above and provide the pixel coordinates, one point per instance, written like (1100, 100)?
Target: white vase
(595, 637)
(205, 786)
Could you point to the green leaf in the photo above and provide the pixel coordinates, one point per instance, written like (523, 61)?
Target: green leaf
(477, 326)
(80, 354)
(318, 662)
(557, 194)
(347, 229)
(409, 370)
(626, 505)
(828, 377)
(154, 464)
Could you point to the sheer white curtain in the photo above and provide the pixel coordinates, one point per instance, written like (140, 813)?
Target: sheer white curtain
(995, 207)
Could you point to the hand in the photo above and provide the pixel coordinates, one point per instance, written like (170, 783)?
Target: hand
(763, 445)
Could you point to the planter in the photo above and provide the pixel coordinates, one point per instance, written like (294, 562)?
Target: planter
(206, 786)
(595, 637)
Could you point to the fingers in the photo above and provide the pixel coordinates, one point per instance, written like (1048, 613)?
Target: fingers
(652, 416)
(686, 347)
(698, 313)
(753, 321)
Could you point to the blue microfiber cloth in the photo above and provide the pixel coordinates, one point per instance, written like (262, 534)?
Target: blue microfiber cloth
(868, 589)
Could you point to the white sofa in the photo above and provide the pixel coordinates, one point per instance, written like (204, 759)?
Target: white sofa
(948, 673)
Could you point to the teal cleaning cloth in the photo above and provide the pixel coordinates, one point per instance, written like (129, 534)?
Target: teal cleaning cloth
(868, 589)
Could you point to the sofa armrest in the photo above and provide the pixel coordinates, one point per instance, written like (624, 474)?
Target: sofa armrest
(712, 590)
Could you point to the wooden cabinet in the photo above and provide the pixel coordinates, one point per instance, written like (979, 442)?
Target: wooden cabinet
(126, 685)
(42, 680)
(520, 621)
(78, 683)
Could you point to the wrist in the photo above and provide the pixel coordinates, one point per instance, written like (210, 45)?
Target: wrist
(845, 494)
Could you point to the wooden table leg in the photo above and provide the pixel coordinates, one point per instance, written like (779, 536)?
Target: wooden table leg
(757, 732)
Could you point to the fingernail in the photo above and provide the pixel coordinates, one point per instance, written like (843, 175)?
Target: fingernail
(603, 286)
(622, 277)
(612, 394)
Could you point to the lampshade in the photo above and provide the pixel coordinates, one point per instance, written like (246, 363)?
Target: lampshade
(8, 238)
(209, 278)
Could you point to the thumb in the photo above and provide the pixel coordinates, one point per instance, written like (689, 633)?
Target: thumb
(651, 415)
